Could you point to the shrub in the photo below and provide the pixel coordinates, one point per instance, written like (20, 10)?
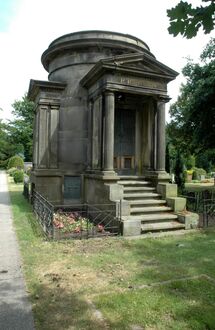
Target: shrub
(18, 176)
(15, 161)
(198, 172)
(11, 171)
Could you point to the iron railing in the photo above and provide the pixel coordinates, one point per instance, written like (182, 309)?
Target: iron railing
(203, 203)
(44, 211)
(77, 220)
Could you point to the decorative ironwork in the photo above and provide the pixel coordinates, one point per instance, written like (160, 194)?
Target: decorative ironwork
(77, 221)
(203, 203)
(44, 212)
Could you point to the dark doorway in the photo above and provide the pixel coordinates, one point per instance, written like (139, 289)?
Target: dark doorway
(124, 141)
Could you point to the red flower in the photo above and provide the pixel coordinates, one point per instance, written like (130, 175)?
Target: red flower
(100, 228)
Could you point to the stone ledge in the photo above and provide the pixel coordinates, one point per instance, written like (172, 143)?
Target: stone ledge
(131, 227)
(178, 204)
(190, 219)
(167, 190)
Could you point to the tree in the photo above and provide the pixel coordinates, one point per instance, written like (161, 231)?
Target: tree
(192, 128)
(7, 149)
(179, 171)
(21, 128)
(186, 19)
(193, 115)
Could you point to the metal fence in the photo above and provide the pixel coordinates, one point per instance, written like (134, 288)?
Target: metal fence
(203, 203)
(78, 220)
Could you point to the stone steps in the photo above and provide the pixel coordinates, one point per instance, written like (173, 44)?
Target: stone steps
(161, 226)
(152, 217)
(126, 189)
(140, 203)
(133, 183)
(141, 195)
(148, 209)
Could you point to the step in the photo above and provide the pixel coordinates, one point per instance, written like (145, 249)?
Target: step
(150, 209)
(147, 202)
(162, 226)
(151, 217)
(131, 177)
(133, 182)
(140, 195)
(139, 188)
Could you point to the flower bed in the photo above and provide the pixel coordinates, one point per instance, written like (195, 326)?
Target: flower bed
(73, 224)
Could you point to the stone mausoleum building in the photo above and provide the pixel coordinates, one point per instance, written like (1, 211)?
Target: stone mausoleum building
(99, 131)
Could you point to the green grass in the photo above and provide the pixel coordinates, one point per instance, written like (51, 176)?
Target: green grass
(180, 305)
(62, 276)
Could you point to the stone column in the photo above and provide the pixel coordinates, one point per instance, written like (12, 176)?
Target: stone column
(53, 135)
(138, 144)
(160, 163)
(109, 131)
(96, 133)
(89, 135)
(43, 152)
(35, 139)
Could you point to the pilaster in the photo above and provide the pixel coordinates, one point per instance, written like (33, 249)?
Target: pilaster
(109, 132)
(160, 159)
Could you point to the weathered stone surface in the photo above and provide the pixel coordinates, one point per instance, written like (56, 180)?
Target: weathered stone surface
(100, 83)
(167, 190)
(131, 228)
(190, 219)
(177, 204)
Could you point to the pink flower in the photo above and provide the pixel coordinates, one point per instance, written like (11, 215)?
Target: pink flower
(100, 228)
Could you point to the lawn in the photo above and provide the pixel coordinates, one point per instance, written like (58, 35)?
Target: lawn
(116, 283)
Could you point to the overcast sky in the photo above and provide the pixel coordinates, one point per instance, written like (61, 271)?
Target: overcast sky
(27, 27)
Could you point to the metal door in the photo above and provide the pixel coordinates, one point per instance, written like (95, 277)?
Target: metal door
(124, 141)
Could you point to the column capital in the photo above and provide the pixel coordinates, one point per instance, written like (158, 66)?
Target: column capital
(163, 99)
(108, 93)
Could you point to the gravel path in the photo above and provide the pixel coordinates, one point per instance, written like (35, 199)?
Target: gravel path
(15, 309)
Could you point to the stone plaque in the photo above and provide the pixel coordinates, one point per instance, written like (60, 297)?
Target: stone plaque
(72, 187)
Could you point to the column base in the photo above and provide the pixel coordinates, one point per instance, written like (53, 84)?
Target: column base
(109, 173)
(158, 176)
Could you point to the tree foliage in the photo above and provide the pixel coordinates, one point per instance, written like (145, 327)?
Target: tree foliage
(16, 136)
(192, 128)
(21, 128)
(15, 161)
(179, 171)
(186, 19)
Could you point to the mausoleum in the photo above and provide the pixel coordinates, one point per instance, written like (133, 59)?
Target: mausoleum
(99, 130)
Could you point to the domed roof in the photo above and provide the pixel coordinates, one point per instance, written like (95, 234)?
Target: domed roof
(94, 38)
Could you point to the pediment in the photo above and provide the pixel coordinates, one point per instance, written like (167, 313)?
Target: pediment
(140, 64)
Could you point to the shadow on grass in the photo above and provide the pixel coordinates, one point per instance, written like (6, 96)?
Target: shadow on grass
(173, 257)
(55, 307)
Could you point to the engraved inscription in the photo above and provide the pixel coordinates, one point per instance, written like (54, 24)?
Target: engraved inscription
(143, 82)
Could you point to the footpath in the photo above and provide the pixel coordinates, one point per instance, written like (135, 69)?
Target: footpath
(15, 308)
